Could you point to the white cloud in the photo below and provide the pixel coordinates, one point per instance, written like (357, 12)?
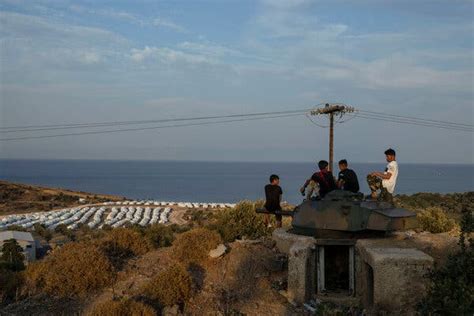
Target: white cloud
(168, 55)
(164, 23)
(32, 42)
(90, 57)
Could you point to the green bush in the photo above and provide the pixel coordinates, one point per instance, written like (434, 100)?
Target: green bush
(123, 307)
(122, 243)
(17, 228)
(451, 289)
(76, 269)
(241, 221)
(159, 235)
(193, 246)
(172, 286)
(452, 203)
(434, 220)
(43, 231)
(11, 283)
(63, 230)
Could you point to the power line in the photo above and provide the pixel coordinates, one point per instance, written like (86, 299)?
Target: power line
(31, 128)
(149, 128)
(415, 118)
(401, 121)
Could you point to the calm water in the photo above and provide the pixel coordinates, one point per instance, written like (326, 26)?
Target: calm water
(214, 181)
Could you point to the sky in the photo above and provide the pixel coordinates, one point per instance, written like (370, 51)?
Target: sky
(93, 61)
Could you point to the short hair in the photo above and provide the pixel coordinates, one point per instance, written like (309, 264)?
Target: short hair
(343, 162)
(322, 164)
(274, 177)
(390, 152)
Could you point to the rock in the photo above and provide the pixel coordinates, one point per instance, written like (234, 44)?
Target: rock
(171, 311)
(219, 251)
(409, 234)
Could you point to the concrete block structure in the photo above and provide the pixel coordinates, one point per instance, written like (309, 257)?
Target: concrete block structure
(390, 278)
(376, 273)
(24, 239)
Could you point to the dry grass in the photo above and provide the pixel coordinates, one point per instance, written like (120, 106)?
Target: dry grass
(122, 308)
(172, 286)
(76, 269)
(193, 246)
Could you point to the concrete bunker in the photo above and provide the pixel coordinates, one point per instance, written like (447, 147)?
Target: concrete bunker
(369, 272)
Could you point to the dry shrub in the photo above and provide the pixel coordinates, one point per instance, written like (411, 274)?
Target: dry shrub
(193, 246)
(241, 221)
(122, 308)
(76, 269)
(434, 220)
(172, 286)
(122, 243)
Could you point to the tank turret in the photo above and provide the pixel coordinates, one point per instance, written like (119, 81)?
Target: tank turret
(346, 212)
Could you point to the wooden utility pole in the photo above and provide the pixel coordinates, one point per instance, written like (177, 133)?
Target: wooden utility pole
(332, 110)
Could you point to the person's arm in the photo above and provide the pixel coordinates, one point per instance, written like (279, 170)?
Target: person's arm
(385, 176)
(382, 175)
(305, 185)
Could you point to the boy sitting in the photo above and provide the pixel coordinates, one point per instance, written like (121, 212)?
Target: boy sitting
(273, 195)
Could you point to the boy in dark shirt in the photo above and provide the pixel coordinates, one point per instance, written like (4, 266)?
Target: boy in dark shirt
(347, 179)
(273, 194)
(323, 178)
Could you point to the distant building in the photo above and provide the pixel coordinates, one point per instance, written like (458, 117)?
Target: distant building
(24, 239)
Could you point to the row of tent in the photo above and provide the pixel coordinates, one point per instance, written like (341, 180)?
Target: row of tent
(180, 204)
(130, 211)
(92, 216)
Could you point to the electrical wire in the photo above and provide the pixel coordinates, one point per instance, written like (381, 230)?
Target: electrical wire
(415, 118)
(150, 128)
(15, 129)
(401, 121)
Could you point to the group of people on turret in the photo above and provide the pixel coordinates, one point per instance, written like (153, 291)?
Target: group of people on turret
(322, 182)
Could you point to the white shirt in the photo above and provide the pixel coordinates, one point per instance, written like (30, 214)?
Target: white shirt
(389, 184)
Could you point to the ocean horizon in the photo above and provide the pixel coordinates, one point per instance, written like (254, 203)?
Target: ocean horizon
(215, 181)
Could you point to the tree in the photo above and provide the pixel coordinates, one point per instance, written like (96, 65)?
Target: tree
(12, 254)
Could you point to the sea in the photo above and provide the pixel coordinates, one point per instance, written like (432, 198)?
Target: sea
(192, 181)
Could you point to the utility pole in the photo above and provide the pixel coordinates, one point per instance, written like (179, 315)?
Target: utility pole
(333, 111)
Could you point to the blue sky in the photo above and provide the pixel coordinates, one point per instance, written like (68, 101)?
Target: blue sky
(87, 61)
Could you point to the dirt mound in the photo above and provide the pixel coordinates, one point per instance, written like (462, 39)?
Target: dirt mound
(21, 198)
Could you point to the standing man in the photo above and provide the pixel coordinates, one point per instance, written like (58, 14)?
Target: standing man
(384, 181)
(323, 178)
(273, 195)
(347, 179)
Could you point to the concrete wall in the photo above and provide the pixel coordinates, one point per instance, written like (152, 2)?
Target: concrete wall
(389, 278)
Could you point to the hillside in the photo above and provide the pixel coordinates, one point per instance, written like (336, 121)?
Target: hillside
(23, 198)
(167, 269)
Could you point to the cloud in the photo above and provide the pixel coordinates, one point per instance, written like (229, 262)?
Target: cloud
(164, 23)
(168, 55)
(32, 42)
